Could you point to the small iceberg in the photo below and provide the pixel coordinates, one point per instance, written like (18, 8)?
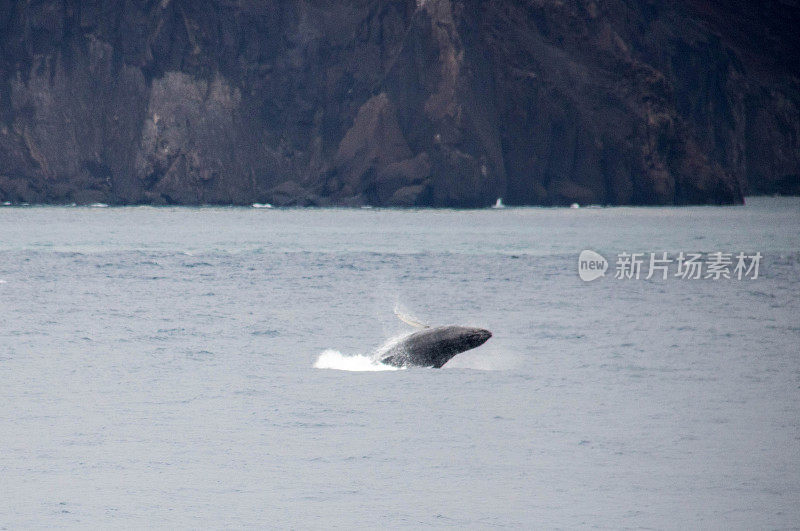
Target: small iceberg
(574, 205)
(261, 205)
(499, 203)
(98, 205)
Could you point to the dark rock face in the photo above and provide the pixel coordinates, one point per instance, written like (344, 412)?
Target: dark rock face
(398, 102)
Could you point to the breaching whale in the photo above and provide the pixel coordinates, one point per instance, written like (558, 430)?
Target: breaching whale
(433, 347)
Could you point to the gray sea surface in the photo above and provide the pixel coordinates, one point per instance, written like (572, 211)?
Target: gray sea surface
(160, 367)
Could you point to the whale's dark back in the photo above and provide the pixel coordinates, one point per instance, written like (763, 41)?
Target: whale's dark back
(433, 347)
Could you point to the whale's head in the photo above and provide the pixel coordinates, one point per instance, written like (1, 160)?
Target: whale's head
(474, 337)
(447, 341)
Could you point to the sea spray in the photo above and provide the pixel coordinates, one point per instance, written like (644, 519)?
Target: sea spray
(388, 344)
(333, 359)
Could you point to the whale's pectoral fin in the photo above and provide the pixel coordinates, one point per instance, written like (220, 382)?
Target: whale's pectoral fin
(408, 320)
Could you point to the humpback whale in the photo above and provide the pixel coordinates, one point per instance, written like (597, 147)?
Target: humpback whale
(433, 347)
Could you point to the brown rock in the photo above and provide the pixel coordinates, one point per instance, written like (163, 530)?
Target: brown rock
(441, 102)
(373, 142)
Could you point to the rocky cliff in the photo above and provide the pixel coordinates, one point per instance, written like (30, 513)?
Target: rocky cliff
(398, 102)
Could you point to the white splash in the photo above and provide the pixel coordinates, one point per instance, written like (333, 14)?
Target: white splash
(261, 205)
(388, 344)
(333, 359)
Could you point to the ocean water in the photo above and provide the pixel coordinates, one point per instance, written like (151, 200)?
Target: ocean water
(212, 367)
